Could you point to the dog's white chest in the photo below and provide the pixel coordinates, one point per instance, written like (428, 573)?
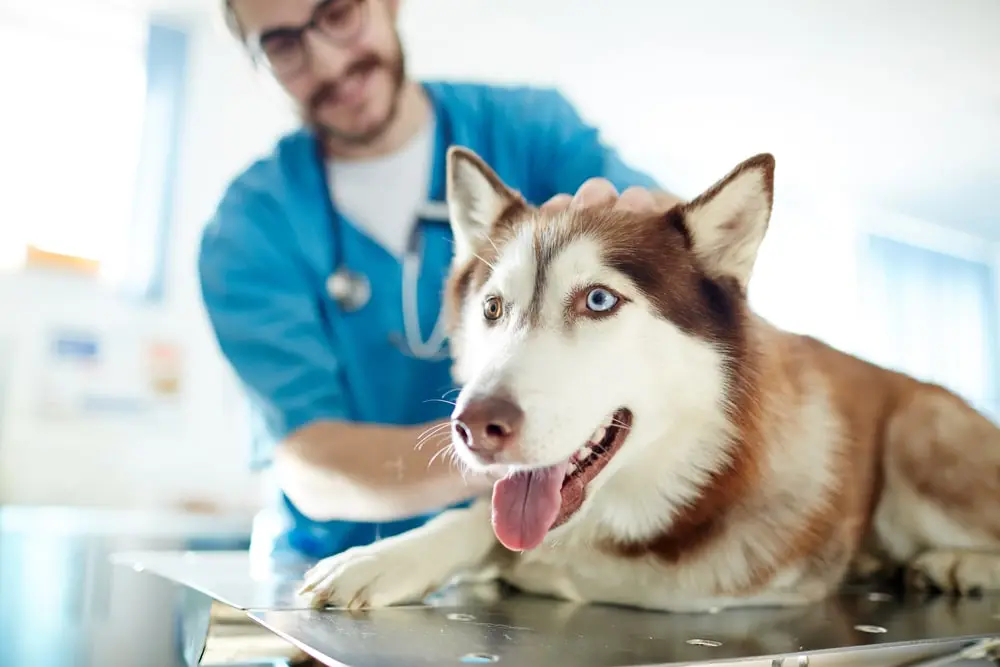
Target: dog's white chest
(584, 574)
(567, 573)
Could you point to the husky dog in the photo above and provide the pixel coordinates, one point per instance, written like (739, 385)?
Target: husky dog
(662, 445)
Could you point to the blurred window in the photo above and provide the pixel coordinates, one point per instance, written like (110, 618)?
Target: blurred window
(935, 316)
(92, 97)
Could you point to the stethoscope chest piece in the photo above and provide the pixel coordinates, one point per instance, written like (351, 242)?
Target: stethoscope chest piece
(350, 289)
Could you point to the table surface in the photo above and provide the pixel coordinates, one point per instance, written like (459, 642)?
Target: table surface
(484, 623)
(227, 576)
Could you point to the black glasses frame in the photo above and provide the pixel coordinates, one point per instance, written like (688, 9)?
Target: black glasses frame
(257, 43)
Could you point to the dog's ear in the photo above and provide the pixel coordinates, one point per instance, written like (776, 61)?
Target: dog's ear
(476, 199)
(728, 221)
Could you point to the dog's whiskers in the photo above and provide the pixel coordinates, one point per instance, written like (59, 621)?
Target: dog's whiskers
(493, 244)
(484, 262)
(438, 453)
(430, 433)
(440, 400)
(441, 442)
(435, 428)
(420, 443)
(459, 464)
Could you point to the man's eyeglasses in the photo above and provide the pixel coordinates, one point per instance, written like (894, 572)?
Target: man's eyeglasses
(284, 51)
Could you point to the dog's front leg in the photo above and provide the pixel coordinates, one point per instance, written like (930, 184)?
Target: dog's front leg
(404, 568)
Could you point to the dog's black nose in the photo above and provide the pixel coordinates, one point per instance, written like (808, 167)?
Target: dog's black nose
(488, 425)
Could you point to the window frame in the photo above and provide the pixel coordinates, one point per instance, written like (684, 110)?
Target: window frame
(167, 63)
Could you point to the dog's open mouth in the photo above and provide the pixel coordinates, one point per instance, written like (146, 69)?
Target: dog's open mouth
(527, 504)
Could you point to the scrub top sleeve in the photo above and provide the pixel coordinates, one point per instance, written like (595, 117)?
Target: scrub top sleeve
(576, 151)
(265, 316)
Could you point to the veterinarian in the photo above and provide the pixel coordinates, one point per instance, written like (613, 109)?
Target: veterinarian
(323, 267)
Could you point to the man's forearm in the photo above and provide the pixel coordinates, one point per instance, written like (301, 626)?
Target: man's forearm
(361, 472)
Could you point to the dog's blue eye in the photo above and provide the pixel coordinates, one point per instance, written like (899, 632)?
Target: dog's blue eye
(600, 300)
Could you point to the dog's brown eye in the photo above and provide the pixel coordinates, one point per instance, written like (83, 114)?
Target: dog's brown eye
(493, 308)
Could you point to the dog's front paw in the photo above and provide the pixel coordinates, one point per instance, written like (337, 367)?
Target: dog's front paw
(367, 577)
(955, 572)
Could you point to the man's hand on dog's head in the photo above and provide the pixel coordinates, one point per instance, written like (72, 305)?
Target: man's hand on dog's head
(601, 192)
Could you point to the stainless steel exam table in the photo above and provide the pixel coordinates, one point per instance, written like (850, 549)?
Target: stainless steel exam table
(485, 624)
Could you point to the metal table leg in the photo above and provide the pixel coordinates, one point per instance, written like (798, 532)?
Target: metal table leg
(195, 612)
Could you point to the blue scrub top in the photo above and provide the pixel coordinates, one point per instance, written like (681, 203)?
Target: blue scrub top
(266, 255)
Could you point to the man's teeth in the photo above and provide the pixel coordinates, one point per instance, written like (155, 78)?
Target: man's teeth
(584, 453)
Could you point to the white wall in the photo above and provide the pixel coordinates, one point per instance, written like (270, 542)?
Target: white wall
(684, 94)
(895, 99)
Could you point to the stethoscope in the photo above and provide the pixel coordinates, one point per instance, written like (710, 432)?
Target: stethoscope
(351, 290)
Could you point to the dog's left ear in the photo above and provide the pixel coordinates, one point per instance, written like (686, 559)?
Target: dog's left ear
(728, 221)
(476, 199)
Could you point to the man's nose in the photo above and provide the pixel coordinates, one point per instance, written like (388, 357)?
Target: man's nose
(326, 59)
(488, 425)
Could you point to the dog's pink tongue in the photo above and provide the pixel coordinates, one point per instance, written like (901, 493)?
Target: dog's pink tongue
(525, 505)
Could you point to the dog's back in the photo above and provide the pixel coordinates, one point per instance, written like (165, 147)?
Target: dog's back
(918, 469)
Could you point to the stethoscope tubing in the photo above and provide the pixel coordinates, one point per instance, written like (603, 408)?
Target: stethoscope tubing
(351, 290)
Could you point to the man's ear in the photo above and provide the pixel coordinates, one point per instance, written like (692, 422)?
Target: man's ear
(476, 199)
(728, 221)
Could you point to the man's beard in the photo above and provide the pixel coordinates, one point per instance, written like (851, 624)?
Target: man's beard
(328, 91)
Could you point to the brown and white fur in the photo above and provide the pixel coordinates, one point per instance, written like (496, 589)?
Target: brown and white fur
(759, 466)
